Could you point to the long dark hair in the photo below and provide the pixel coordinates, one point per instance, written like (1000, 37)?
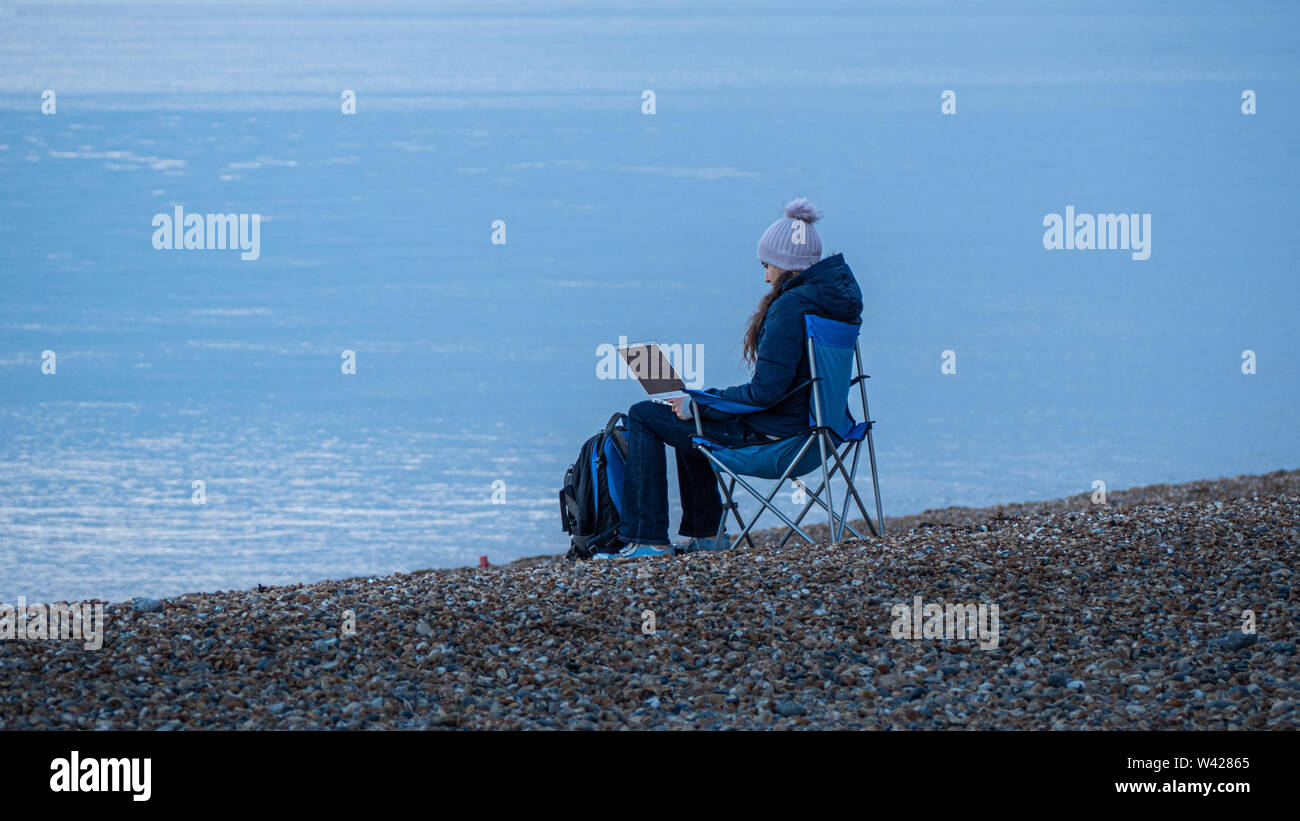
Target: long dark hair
(750, 350)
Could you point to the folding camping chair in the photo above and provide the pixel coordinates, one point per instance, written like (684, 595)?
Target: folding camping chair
(832, 353)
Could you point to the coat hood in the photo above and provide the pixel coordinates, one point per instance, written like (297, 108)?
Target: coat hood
(831, 287)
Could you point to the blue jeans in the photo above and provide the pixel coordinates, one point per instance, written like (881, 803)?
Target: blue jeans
(650, 426)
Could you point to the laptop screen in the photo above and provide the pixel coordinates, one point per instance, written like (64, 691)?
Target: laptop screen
(647, 362)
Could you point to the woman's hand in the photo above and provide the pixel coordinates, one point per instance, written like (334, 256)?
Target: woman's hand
(679, 406)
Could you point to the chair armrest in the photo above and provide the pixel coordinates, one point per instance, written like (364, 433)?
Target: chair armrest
(735, 408)
(720, 403)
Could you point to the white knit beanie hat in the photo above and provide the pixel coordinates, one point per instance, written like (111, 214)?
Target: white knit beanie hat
(792, 243)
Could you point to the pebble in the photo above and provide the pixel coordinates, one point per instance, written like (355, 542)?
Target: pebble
(1236, 640)
(747, 639)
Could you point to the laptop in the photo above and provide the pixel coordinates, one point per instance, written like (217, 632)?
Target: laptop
(650, 366)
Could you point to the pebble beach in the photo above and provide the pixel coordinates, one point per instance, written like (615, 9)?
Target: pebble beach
(1124, 615)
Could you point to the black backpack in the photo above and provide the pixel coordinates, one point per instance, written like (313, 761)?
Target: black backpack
(591, 498)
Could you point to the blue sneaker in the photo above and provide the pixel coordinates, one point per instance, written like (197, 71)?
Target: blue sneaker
(636, 551)
(710, 544)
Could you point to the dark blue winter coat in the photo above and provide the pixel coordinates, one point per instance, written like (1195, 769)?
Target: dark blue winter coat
(826, 289)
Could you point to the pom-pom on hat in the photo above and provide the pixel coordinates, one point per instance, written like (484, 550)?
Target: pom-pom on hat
(791, 243)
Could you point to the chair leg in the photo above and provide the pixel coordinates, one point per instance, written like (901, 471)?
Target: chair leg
(854, 491)
(765, 503)
(848, 485)
(826, 480)
(871, 444)
(853, 477)
(854, 530)
(785, 537)
(875, 483)
(735, 511)
(807, 507)
(804, 512)
(815, 498)
(843, 521)
(729, 504)
(848, 479)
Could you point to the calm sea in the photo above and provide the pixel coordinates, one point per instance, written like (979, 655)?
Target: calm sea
(476, 362)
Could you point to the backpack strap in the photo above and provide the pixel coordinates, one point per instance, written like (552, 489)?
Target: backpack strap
(619, 434)
(584, 548)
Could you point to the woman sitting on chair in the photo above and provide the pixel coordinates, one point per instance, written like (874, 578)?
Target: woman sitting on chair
(776, 348)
